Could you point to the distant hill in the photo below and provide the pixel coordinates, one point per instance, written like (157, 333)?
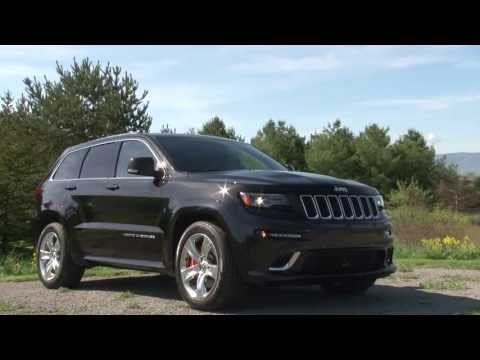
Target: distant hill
(466, 162)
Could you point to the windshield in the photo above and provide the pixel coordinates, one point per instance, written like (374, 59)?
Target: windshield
(200, 154)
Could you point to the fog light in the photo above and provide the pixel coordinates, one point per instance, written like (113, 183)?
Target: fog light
(389, 258)
(263, 234)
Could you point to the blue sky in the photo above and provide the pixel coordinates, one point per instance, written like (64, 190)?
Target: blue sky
(435, 89)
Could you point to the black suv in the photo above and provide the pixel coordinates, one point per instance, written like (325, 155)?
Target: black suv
(215, 213)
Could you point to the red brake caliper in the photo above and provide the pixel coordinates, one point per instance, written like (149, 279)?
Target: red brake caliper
(190, 262)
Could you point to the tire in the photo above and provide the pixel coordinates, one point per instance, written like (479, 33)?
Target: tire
(67, 273)
(216, 292)
(348, 286)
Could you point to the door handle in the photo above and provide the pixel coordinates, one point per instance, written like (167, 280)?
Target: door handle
(71, 187)
(113, 187)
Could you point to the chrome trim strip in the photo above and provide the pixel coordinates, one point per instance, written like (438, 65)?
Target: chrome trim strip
(369, 208)
(376, 207)
(285, 235)
(126, 262)
(331, 207)
(110, 178)
(314, 205)
(102, 143)
(349, 201)
(293, 259)
(328, 206)
(360, 206)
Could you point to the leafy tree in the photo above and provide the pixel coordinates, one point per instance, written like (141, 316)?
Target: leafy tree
(373, 157)
(458, 192)
(23, 161)
(216, 127)
(413, 158)
(476, 184)
(281, 142)
(88, 101)
(332, 151)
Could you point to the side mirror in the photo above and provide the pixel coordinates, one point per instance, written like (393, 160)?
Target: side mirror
(141, 166)
(290, 167)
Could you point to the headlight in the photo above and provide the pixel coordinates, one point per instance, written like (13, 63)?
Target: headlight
(259, 200)
(379, 201)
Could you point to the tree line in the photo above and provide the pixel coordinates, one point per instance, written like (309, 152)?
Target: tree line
(89, 100)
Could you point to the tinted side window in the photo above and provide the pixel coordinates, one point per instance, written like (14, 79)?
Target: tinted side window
(131, 149)
(100, 161)
(70, 166)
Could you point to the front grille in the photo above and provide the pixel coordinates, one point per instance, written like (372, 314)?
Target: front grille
(336, 207)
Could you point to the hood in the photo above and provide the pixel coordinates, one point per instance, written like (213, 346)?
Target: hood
(292, 179)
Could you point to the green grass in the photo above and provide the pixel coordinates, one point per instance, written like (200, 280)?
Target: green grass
(92, 272)
(409, 257)
(6, 307)
(124, 295)
(17, 267)
(134, 306)
(411, 263)
(405, 276)
(445, 283)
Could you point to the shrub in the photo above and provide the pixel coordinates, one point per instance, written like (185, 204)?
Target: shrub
(412, 224)
(451, 248)
(14, 264)
(409, 194)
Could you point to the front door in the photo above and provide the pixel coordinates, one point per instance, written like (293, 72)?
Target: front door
(139, 207)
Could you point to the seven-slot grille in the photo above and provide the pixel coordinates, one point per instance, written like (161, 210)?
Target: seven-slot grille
(339, 207)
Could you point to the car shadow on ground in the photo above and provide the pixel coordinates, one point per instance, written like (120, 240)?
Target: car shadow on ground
(379, 300)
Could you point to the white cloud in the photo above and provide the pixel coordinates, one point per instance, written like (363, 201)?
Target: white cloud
(10, 70)
(275, 64)
(184, 105)
(416, 60)
(183, 97)
(432, 139)
(236, 49)
(432, 103)
(279, 59)
(36, 52)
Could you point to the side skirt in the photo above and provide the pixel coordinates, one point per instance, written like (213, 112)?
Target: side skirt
(155, 266)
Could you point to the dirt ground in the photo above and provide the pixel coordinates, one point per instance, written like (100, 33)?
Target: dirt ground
(421, 291)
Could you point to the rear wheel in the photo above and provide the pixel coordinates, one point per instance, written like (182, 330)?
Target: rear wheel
(55, 266)
(348, 286)
(205, 272)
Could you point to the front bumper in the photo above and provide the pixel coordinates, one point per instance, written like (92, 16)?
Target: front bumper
(264, 249)
(309, 269)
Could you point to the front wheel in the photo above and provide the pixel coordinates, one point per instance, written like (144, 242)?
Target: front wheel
(205, 272)
(348, 286)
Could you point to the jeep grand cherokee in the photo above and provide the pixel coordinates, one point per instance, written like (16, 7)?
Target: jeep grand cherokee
(214, 213)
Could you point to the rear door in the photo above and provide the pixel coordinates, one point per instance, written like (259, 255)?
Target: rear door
(96, 231)
(61, 191)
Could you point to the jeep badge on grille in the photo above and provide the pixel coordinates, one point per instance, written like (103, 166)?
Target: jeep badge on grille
(340, 189)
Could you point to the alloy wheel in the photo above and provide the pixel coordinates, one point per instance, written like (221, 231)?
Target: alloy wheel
(199, 266)
(49, 256)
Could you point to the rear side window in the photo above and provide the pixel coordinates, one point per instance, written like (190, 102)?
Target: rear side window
(70, 166)
(100, 161)
(131, 149)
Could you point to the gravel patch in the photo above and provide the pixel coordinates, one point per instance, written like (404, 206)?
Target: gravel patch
(421, 291)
